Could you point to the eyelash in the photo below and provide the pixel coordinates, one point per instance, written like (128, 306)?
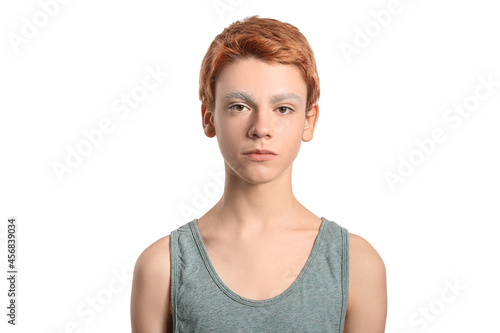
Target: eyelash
(291, 110)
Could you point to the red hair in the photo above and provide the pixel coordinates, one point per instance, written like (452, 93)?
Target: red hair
(265, 39)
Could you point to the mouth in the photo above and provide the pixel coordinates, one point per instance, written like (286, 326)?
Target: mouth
(260, 155)
(260, 151)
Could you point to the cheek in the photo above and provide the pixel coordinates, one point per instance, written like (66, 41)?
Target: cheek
(229, 128)
(293, 137)
(281, 127)
(287, 126)
(227, 134)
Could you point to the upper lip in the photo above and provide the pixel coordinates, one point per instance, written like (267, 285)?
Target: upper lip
(260, 151)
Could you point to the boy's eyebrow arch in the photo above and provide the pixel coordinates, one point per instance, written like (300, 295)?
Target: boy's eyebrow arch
(250, 99)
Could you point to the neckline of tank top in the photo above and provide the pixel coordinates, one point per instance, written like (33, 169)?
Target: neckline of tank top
(256, 302)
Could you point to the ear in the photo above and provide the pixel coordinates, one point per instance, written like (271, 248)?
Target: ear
(311, 118)
(207, 121)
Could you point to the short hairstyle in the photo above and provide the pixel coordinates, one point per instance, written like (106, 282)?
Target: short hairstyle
(265, 39)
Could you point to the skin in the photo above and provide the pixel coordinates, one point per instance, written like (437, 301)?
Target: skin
(258, 205)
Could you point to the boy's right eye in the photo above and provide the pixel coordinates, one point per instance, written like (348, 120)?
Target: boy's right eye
(237, 107)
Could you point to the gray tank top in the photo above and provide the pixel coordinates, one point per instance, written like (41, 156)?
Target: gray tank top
(315, 302)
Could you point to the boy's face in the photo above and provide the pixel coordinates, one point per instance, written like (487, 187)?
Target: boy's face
(246, 117)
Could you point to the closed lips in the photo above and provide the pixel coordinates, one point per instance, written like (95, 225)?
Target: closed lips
(260, 151)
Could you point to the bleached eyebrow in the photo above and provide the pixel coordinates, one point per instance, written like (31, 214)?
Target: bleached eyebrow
(250, 99)
(281, 97)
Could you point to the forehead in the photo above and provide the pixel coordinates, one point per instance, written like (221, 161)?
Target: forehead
(260, 78)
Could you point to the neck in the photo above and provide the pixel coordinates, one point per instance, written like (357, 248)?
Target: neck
(253, 209)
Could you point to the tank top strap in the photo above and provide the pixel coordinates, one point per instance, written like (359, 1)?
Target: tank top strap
(336, 250)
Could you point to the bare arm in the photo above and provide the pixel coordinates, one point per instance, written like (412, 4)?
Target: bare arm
(150, 310)
(367, 302)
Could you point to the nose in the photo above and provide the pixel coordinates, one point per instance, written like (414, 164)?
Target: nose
(261, 123)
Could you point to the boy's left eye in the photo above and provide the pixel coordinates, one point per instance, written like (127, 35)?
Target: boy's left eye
(285, 107)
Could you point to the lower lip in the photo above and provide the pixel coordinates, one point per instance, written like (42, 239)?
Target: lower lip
(259, 157)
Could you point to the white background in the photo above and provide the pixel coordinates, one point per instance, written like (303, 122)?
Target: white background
(144, 179)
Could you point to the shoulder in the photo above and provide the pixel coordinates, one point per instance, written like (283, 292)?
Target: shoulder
(367, 301)
(150, 300)
(363, 255)
(154, 257)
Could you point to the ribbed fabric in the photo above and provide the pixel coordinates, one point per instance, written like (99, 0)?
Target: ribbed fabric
(315, 302)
